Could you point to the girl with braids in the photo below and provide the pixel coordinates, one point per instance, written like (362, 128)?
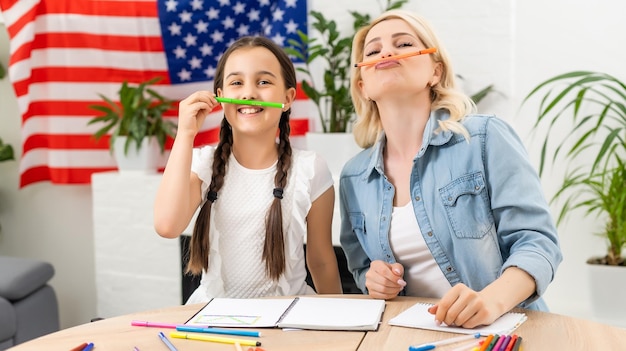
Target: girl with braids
(258, 198)
(444, 202)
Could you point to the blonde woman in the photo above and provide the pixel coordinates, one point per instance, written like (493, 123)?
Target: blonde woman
(442, 203)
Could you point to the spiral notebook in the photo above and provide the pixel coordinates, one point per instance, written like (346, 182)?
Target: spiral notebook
(317, 313)
(417, 316)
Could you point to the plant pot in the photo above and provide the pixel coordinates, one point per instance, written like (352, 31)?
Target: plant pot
(335, 148)
(608, 288)
(144, 160)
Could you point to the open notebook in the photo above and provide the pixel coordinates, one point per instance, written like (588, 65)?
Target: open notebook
(417, 316)
(318, 313)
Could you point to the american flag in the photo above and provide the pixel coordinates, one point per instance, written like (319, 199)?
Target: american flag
(64, 53)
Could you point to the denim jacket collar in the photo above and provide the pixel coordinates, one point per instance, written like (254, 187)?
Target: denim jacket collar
(432, 136)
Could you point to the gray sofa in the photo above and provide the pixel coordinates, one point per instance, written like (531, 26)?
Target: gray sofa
(28, 305)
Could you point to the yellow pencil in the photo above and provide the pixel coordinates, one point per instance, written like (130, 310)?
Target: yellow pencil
(211, 338)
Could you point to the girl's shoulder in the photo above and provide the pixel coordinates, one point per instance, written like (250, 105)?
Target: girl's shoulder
(204, 152)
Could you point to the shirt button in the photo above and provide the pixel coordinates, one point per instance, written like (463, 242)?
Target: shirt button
(449, 198)
(430, 234)
(417, 198)
(384, 218)
(476, 187)
(449, 269)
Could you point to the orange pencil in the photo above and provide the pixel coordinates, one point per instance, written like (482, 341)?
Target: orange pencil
(486, 342)
(79, 347)
(396, 57)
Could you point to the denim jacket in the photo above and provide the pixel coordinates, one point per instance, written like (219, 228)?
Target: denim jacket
(479, 205)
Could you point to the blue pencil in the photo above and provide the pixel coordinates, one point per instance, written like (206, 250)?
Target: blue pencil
(218, 331)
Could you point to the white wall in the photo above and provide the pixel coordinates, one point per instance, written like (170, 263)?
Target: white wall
(514, 44)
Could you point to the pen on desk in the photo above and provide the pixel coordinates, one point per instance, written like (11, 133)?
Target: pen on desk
(89, 347)
(472, 345)
(79, 347)
(492, 342)
(211, 338)
(518, 343)
(432, 345)
(509, 347)
(167, 342)
(486, 343)
(505, 343)
(223, 331)
(496, 346)
(152, 324)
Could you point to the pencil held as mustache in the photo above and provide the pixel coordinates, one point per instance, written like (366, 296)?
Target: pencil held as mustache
(396, 57)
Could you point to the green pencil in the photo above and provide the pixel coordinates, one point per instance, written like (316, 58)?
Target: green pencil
(249, 102)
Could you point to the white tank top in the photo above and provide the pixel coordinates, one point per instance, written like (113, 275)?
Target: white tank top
(421, 273)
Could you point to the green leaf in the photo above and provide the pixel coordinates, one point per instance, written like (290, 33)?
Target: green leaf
(138, 114)
(592, 106)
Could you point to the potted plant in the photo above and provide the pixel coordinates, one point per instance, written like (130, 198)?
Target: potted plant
(6, 152)
(593, 104)
(134, 123)
(331, 92)
(329, 51)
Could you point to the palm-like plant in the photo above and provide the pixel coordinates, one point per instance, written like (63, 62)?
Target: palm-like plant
(594, 103)
(138, 115)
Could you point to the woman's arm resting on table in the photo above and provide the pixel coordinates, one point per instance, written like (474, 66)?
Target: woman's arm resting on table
(464, 307)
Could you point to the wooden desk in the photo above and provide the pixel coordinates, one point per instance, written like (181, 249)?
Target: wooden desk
(542, 331)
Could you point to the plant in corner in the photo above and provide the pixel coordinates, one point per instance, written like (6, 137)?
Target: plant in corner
(137, 116)
(594, 105)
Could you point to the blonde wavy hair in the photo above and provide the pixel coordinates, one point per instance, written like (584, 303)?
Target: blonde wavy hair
(444, 95)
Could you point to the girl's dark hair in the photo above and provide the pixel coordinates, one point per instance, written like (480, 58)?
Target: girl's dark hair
(274, 248)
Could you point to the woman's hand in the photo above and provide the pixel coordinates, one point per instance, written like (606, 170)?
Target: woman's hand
(384, 280)
(464, 307)
(193, 110)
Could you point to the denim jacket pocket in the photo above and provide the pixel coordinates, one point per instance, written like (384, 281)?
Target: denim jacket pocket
(357, 221)
(467, 205)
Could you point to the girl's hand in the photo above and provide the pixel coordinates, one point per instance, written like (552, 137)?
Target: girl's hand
(193, 110)
(464, 307)
(384, 280)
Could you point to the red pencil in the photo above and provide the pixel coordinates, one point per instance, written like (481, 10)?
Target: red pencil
(79, 347)
(509, 347)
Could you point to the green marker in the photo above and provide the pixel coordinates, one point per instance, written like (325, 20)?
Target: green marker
(249, 102)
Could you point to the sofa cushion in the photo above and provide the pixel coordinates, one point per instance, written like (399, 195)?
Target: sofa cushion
(19, 277)
(8, 321)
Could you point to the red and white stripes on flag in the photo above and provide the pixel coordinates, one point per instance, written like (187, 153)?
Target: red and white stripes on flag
(63, 54)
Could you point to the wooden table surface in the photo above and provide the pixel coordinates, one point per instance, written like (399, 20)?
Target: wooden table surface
(542, 331)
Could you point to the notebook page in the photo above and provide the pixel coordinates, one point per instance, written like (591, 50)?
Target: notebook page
(228, 312)
(417, 316)
(324, 313)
